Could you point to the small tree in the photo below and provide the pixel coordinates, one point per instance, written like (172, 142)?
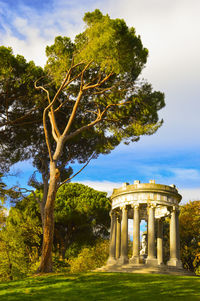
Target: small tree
(19, 243)
(81, 216)
(190, 235)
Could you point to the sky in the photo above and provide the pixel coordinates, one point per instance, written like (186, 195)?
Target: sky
(170, 29)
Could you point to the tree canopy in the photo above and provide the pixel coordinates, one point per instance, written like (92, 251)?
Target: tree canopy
(81, 215)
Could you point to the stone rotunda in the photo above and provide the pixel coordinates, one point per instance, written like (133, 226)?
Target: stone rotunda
(153, 203)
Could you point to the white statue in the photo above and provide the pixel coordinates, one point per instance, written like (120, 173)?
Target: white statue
(143, 250)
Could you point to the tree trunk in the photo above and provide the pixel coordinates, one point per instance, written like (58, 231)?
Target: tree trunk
(48, 230)
(44, 198)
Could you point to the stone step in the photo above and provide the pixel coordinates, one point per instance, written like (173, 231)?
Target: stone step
(128, 268)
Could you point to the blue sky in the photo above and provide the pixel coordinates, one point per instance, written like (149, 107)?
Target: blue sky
(170, 30)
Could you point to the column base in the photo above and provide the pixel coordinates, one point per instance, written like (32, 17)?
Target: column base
(111, 261)
(152, 261)
(161, 264)
(174, 262)
(135, 260)
(123, 260)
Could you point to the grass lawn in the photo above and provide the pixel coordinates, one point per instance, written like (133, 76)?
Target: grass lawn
(102, 286)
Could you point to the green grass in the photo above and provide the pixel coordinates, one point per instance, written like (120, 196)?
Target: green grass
(102, 286)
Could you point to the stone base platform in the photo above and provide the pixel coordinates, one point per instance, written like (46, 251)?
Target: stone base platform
(143, 268)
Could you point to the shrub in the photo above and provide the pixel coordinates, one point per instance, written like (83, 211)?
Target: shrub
(90, 258)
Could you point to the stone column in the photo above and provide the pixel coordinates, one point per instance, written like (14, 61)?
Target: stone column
(178, 235)
(124, 237)
(174, 261)
(112, 250)
(118, 237)
(160, 242)
(136, 235)
(151, 258)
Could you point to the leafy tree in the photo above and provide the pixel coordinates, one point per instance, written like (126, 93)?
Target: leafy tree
(94, 100)
(19, 242)
(190, 235)
(81, 216)
(19, 107)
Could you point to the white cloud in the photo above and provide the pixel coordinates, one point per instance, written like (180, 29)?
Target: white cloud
(102, 185)
(189, 194)
(186, 173)
(170, 30)
(29, 29)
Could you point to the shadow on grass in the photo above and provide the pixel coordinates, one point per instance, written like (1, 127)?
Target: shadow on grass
(103, 286)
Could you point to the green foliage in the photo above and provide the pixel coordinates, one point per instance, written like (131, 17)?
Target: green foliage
(109, 50)
(81, 216)
(20, 107)
(60, 56)
(190, 235)
(60, 265)
(90, 257)
(111, 45)
(2, 214)
(2, 189)
(75, 199)
(20, 239)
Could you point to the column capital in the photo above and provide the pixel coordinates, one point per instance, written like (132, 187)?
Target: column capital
(135, 206)
(112, 213)
(118, 218)
(151, 205)
(123, 207)
(174, 209)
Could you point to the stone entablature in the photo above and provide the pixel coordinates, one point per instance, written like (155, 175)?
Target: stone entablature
(145, 193)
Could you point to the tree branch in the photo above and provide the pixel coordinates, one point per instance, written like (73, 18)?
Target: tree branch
(46, 133)
(52, 127)
(18, 119)
(60, 106)
(73, 113)
(42, 88)
(82, 129)
(67, 180)
(98, 119)
(99, 83)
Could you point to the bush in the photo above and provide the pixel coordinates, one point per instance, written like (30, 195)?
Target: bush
(60, 265)
(90, 258)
